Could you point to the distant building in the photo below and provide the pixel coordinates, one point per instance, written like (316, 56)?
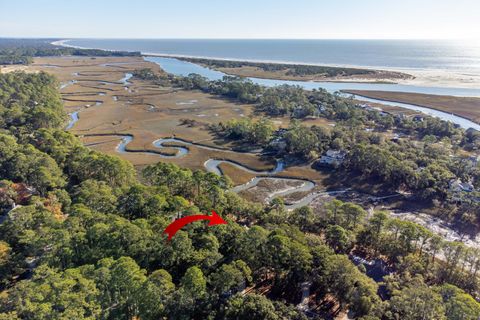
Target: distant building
(368, 107)
(456, 185)
(418, 118)
(332, 158)
(420, 169)
(395, 138)
(280, 132)
(278, 144)
(473, 160)
(16, 193)
(364, 106)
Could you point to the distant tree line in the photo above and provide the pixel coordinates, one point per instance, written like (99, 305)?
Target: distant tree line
(22, 51)
(291, 69)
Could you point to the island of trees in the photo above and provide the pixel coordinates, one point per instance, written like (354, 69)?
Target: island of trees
(290, 71)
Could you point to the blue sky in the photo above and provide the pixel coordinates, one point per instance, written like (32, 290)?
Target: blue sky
(311, 19)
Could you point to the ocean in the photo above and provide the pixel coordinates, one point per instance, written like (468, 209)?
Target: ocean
(396, 54)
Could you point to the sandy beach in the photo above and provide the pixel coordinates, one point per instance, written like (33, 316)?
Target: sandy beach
(441, 78)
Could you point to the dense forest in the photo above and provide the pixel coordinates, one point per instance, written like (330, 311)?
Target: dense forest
(81, 237)
(291, 69)
(21, 51)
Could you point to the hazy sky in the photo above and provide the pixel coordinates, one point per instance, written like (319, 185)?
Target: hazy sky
(349, 19)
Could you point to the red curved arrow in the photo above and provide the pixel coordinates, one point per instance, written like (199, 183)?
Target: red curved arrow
(180, 223)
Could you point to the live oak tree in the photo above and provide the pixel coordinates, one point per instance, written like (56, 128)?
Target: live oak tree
(345, 280)
(55, 295)
(155, 295)
(458, 304)
(96, 195)
(257, 307)
(231, 276)
(417, 302)
(338, 238)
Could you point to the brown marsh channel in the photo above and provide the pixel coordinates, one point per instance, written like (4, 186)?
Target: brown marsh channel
(213, 165)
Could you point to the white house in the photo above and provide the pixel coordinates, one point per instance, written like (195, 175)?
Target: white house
(473, 161)
(278, 144)
(456, 185)
(332, 158)
(418, 118)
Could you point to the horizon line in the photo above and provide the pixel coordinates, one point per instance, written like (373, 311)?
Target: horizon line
(206, 38)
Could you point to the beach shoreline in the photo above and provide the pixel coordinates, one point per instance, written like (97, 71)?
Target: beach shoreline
(421, 77)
